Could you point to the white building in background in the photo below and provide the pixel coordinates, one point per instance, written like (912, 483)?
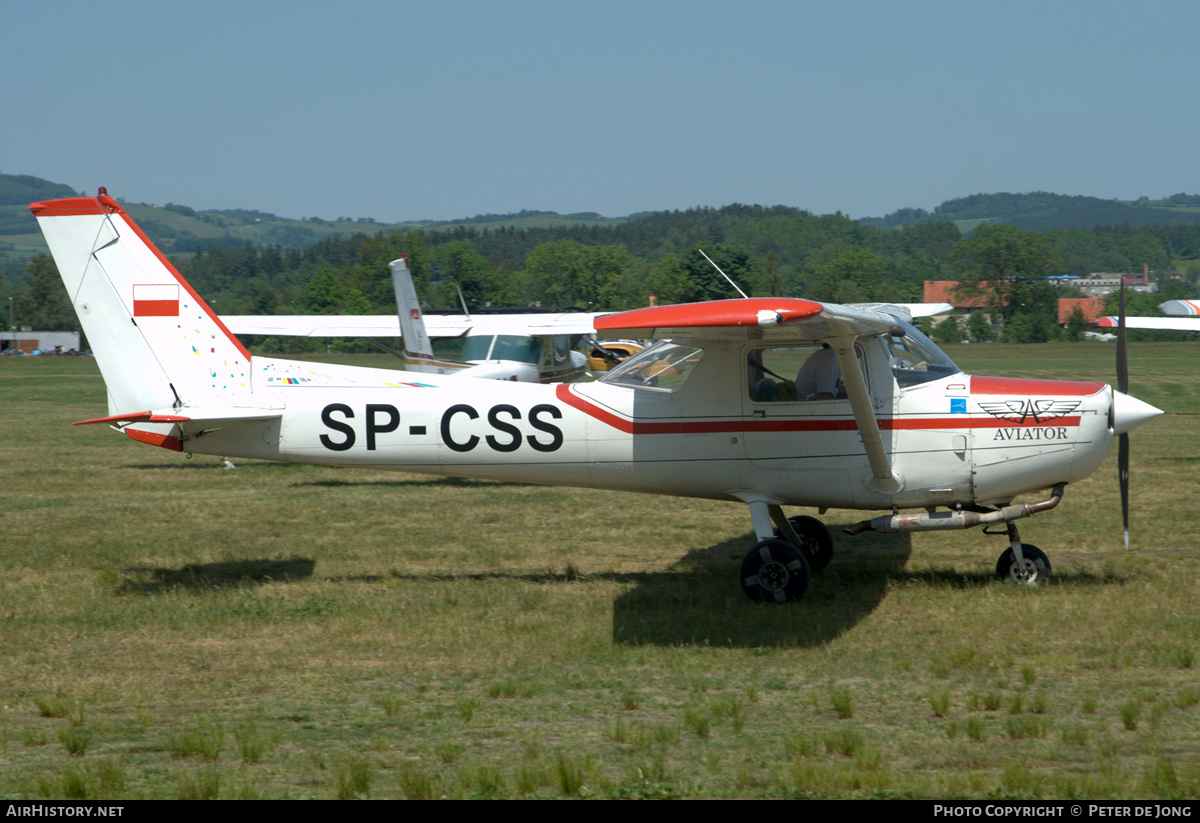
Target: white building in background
(27, 341)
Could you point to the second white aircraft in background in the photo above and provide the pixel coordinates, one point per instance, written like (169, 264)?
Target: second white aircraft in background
(525, 347)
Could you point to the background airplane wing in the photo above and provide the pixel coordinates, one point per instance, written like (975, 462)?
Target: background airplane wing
(566, 323)
(1161, 323)
(308, 325)
(1180, 308)
(303, 325)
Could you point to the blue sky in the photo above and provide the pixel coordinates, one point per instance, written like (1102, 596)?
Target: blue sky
(410, 110)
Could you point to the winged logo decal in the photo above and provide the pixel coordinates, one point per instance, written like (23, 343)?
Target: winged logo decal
(1019, 411)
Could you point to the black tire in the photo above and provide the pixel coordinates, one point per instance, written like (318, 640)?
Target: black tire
(1037, 566)
(774, 571)
(815, 539)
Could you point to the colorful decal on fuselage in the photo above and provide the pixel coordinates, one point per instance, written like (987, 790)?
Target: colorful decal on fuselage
(1019, 411)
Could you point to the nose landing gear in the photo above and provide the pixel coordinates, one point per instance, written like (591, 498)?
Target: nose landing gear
(1022, 564)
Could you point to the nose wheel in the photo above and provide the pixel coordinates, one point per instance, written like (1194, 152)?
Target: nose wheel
(1031, 569)
(1022, 564)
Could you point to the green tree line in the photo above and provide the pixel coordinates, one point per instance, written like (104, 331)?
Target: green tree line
(767, 250)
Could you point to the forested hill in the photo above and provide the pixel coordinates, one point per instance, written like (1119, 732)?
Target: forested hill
(1041, 211)
(21, 190)
(178, 229)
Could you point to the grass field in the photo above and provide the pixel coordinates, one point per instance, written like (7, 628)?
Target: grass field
(169, 629)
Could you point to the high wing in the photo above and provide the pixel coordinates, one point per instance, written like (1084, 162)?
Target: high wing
(919, 309)
(764, 318)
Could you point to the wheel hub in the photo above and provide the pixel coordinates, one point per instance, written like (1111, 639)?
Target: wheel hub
(774, 576)
(1024, 572)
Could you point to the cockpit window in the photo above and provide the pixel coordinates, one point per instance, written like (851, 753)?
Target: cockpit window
(915, 359)
(664, 366)
(797, 373)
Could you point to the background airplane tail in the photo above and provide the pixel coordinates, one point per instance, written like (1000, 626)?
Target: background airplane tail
(412, 326)
(418, 350)
(157, 343)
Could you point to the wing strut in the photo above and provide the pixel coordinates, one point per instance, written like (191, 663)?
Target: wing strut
(883, 479)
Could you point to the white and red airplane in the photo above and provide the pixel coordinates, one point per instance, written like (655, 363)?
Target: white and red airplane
(768, 401)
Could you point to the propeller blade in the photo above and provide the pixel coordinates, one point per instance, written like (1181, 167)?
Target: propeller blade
(1122, 357)
(1123, 439)
(1123, 476)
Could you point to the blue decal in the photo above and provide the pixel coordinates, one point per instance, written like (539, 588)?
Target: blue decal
(958, 405)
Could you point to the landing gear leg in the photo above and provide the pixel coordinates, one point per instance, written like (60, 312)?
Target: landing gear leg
(808, 534)
(1022, 564)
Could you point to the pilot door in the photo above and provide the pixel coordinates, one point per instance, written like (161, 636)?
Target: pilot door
(796, 413)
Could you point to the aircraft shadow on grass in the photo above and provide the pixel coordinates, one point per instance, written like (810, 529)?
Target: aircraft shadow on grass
(986, 576)
(228, 574)
(190, 465)
(456, 482)
(698, 602)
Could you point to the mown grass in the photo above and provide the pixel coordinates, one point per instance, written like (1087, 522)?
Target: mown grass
(170, 629)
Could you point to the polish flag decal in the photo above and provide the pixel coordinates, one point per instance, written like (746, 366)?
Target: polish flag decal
(151, 300)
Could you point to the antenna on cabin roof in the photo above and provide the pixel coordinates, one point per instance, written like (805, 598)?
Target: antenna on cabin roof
(723, 274)
(463, 300)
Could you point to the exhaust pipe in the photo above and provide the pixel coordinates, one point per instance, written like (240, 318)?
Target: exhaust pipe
(952, 520)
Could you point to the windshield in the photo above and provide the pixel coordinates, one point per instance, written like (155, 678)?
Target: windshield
(915, 359)
(516, 347)
(477, 346)
(665, 366)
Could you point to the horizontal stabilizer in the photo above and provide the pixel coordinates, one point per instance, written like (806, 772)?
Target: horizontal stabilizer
(189, 415)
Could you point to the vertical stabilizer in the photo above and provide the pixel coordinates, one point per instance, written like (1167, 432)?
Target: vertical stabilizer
(157, 343)
(418, 350)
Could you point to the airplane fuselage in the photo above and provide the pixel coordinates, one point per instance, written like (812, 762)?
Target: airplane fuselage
(957, 439)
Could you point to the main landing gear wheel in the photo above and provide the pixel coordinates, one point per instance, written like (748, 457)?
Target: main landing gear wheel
(774, 571)
(815, 539)
(1036, 568)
